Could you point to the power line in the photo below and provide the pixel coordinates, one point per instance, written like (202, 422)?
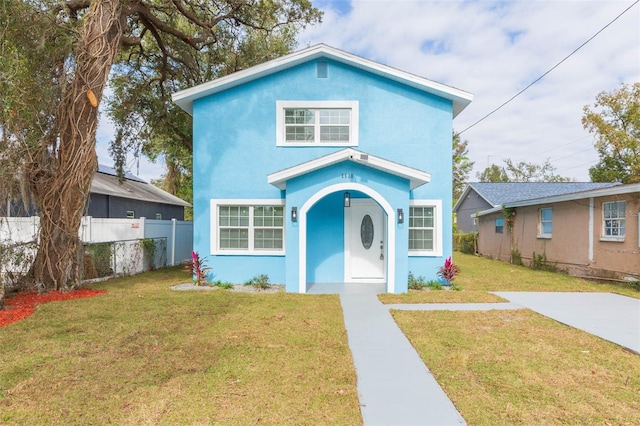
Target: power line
(552, 68)
(560, 147)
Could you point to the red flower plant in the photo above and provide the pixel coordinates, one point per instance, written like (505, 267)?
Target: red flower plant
(448, 271)
(199, 269)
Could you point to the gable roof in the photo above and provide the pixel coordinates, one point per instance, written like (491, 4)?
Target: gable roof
(597, 190)
(500, 193)
(618, 189)
(185, 98)
(415, 177)
(105, 181)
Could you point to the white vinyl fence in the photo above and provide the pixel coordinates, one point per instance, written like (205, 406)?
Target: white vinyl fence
(112, 246)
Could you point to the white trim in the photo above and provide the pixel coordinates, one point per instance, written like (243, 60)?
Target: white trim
(438, 230)
(213, 221)
(185, 98)
(348, 229)
(352, 106)
(302, 229)
(591, 225)
(603, 232)
(415, 177)
(542, 235)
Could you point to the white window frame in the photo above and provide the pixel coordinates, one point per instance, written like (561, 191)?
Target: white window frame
(437, 227)
(603, 229)
(215, 242)
(501, 219)
(317, 105)
(541, 222)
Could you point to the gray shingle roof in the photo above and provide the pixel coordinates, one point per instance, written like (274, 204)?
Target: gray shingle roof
(501, 193)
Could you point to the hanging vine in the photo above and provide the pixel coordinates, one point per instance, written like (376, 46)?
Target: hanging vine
(61, 172)
(509, 214)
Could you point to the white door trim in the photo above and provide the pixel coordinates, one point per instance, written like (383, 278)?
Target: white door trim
(348, 230)
(390, 228)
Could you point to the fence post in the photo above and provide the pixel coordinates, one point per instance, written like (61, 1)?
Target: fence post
(174, 223)
(142, 231)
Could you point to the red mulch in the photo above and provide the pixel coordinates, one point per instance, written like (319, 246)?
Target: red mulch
(22, 305)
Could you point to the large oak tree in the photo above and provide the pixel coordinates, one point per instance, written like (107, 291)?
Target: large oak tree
(86, 39)
(614, 120)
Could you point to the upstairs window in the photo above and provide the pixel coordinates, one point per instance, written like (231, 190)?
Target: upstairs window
(319, 123)
(613, 219)
(546, 221)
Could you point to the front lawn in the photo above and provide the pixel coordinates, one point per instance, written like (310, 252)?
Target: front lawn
(479, 275)
(143, 354)
(518, 367)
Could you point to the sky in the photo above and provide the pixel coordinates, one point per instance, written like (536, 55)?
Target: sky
(493, 50)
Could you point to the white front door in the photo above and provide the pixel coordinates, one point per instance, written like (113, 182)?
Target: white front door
(365, 242)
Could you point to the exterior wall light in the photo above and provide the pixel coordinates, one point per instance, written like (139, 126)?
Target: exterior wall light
(400, 216)
(347, 199)
(294, 214)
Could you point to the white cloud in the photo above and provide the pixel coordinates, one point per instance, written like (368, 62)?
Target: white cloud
(494, 49)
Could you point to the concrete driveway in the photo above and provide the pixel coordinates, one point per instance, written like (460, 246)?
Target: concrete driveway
(610, 316)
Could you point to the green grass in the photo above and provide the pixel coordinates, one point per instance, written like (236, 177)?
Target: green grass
(518, 367)
(143, 354)
(479, 275)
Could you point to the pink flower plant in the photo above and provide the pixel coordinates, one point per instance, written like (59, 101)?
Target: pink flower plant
(448, 271)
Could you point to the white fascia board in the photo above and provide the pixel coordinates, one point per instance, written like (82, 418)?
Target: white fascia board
(414, 176)
(184, 98)
(488, 211)
(603, 192)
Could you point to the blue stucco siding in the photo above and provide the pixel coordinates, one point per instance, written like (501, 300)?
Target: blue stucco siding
(235, 149)
(325, 254)
(325, 240)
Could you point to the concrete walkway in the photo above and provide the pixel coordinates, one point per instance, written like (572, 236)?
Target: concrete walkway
(394, 385)
(609, 316)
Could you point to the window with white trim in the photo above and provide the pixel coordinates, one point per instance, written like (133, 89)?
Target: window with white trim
(613, 219)
(245, 227)
(314, 123)
(499, 226)
(425, 227)
(545, 225)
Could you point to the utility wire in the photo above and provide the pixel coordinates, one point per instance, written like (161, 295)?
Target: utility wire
(554, 67)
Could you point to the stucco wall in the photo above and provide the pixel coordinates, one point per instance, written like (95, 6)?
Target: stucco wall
(571, 246)
(235, 149)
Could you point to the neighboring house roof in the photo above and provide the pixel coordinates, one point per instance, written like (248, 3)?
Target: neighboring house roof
(185, 98)
(501, 193)
(602, 191)
(106, 182)
(415, 177)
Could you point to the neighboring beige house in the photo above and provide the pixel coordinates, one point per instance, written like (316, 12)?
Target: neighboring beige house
(594, 233)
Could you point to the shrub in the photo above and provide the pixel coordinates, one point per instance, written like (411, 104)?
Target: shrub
(223, 284)
(465, 242)
(539, 262)
(260, 282)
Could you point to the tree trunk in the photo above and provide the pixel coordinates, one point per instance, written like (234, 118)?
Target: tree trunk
(60, 176)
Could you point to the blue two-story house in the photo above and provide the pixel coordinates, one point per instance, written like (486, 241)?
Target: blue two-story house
(323, 167)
